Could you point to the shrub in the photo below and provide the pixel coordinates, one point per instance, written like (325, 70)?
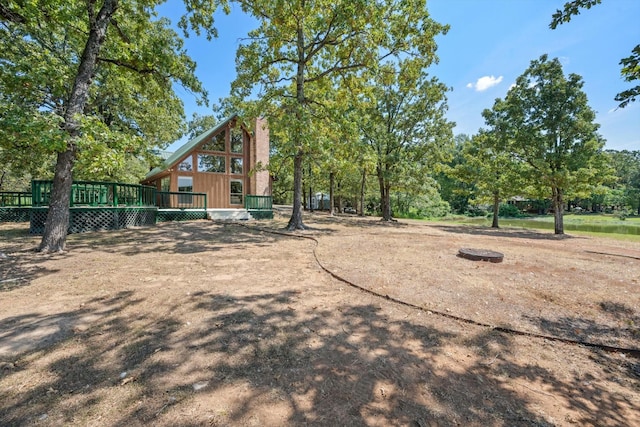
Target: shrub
(475, 211)
(509, 211)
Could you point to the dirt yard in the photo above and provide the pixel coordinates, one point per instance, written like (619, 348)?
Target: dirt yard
(224, 324)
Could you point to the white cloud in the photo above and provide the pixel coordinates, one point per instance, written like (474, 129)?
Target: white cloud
(485, 83)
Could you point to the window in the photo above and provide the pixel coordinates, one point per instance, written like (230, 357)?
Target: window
(163, 198)
(236, 165)
(236, 140)
(216, 143)
(236, 192)
(165, 183)
(210, 163)
(186, 165)
(185, 185)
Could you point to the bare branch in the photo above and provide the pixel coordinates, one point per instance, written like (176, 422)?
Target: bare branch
(9, 15)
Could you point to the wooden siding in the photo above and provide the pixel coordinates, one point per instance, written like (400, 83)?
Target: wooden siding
(217, 185)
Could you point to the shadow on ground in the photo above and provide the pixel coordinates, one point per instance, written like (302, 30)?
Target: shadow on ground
(501, 232)
(19, 266)
(173, 238)
(351, 367)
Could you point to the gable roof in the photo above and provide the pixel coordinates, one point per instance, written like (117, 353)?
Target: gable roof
(187, 147)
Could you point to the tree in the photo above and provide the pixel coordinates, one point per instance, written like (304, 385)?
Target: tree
(13, 178)
(454, 191)
(404, 125)
(626, 165)
(495, 175)
(306, 55)
(84, 78)
(545, 122)
(630, 65)
(200, 124)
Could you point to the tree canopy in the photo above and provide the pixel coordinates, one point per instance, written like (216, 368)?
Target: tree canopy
(307, 62)
(546, 124)
(492, 171)
(626, 166)
(405, 127)
(630, 65)
(90, 83)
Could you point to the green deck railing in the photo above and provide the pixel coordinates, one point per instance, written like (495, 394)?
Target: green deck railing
(16, 199)
(94, 196)
(260, 207)
(180, 200)
(94, 193)
(258, 202)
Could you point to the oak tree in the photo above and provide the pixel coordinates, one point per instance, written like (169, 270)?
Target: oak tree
(304, 52)
(546, 124)
(626, 166)
(403, 122)
(91, 81)
(495, 175)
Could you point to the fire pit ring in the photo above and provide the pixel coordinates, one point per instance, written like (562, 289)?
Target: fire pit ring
(480, 255)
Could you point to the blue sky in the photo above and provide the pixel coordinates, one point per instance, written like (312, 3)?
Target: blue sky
(490, 43)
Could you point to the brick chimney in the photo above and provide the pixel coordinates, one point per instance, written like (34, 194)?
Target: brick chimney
(260, 182)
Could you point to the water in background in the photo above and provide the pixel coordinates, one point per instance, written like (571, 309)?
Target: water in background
(614, 227)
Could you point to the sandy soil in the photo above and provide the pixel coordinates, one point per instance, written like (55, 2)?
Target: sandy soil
(224, 324)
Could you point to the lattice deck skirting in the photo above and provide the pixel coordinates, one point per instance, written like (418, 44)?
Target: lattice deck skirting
(261, 213)
(13, 214)
(83, 219)
(165, 215)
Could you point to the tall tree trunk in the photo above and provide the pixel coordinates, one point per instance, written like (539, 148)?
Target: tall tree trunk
(386, 203)
(362, 188)
(385, 198)
(305, 199)
(295, 222)
(331, 182)
(57, 224)
(310, 192)
(496, 209)
(558, 206)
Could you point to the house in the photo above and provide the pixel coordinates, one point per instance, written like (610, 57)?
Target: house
(227, 162)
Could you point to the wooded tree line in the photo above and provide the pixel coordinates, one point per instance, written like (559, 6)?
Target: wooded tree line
(87, 91)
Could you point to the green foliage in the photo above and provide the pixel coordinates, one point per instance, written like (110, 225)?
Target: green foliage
(626, 166)
(623, 214)
(630, 65)
(200, 124)
(308, 61)
(546, 125)
(280, 168)
(12, 182)
(570, 9)
(93, 82)
(509, 211)
(131, 107)
(492, 171)
(422, 202)
(630, 72)
(403, 123)
(475, 211)
(452, 189)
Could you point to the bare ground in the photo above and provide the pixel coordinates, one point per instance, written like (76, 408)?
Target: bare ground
(207, 324)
